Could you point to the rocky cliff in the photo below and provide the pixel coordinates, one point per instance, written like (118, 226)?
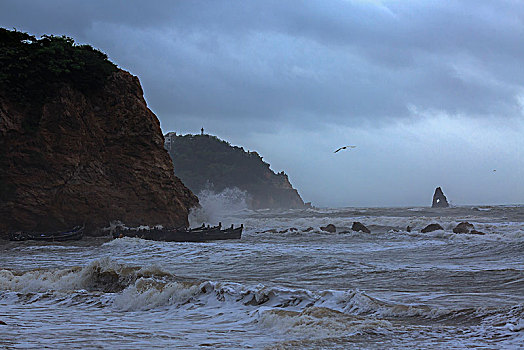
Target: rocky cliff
(86, 150)
(206, 162)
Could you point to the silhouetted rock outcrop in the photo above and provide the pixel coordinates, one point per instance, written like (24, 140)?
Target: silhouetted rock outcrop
(431, 228)
(439, 199)
(205, 162)
(72, 155)
(359, 227)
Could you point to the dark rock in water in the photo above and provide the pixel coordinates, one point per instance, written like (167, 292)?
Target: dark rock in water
(464, 227)
(408, 229)
(293, 229)
(309, 229)
(284, 231)
(359, 227)
(439, 200)
(2, 323)
(431, 228)
(329, 228)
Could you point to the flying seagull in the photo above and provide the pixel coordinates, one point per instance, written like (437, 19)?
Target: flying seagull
(341, 148)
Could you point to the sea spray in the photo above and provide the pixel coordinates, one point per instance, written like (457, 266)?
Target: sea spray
(216, 207)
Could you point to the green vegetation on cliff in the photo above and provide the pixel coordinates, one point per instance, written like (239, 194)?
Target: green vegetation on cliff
(206, 162)
(31, 69)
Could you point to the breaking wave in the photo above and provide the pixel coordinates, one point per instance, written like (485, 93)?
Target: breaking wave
(106, 283)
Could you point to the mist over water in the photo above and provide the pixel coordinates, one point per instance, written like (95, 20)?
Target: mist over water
(297, 289)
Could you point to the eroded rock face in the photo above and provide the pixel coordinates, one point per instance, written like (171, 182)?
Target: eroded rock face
(439, 199)
(89, 159)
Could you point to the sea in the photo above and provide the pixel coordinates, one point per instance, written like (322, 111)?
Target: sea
(281, 286)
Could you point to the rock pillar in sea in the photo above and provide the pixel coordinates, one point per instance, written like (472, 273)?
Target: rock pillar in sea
(439, 200)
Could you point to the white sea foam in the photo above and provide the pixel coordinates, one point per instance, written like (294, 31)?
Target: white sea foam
(99, 275)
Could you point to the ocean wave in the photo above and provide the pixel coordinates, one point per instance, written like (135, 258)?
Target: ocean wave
(103, 275)
(321, 323)
(129, 288)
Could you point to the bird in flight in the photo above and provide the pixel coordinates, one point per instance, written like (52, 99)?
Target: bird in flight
(345, 147)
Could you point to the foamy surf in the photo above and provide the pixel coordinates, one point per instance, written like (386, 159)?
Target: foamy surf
(282, 289)
(145, 288)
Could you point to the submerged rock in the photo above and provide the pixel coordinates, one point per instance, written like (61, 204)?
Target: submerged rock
(271, 230)
(359, 227)
(431, 228)
(329, 228)
(439, 199)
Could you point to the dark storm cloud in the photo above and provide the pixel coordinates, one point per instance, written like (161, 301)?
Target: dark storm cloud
(312, 61)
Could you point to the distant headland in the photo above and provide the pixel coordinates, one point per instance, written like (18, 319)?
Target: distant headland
(204, 161)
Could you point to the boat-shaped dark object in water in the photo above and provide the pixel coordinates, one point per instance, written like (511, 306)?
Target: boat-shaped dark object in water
(199, 234)
(58, 236)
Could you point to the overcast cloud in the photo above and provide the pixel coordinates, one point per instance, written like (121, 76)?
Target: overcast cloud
(432, 92)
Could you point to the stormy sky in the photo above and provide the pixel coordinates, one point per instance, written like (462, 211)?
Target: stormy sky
(430, 92)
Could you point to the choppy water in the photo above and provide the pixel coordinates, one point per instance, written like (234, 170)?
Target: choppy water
(292, 290)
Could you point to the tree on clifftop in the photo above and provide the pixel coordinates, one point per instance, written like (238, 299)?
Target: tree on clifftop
(32, 69)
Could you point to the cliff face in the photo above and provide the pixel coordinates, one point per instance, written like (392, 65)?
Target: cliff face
(87, 159)
(204, 161)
